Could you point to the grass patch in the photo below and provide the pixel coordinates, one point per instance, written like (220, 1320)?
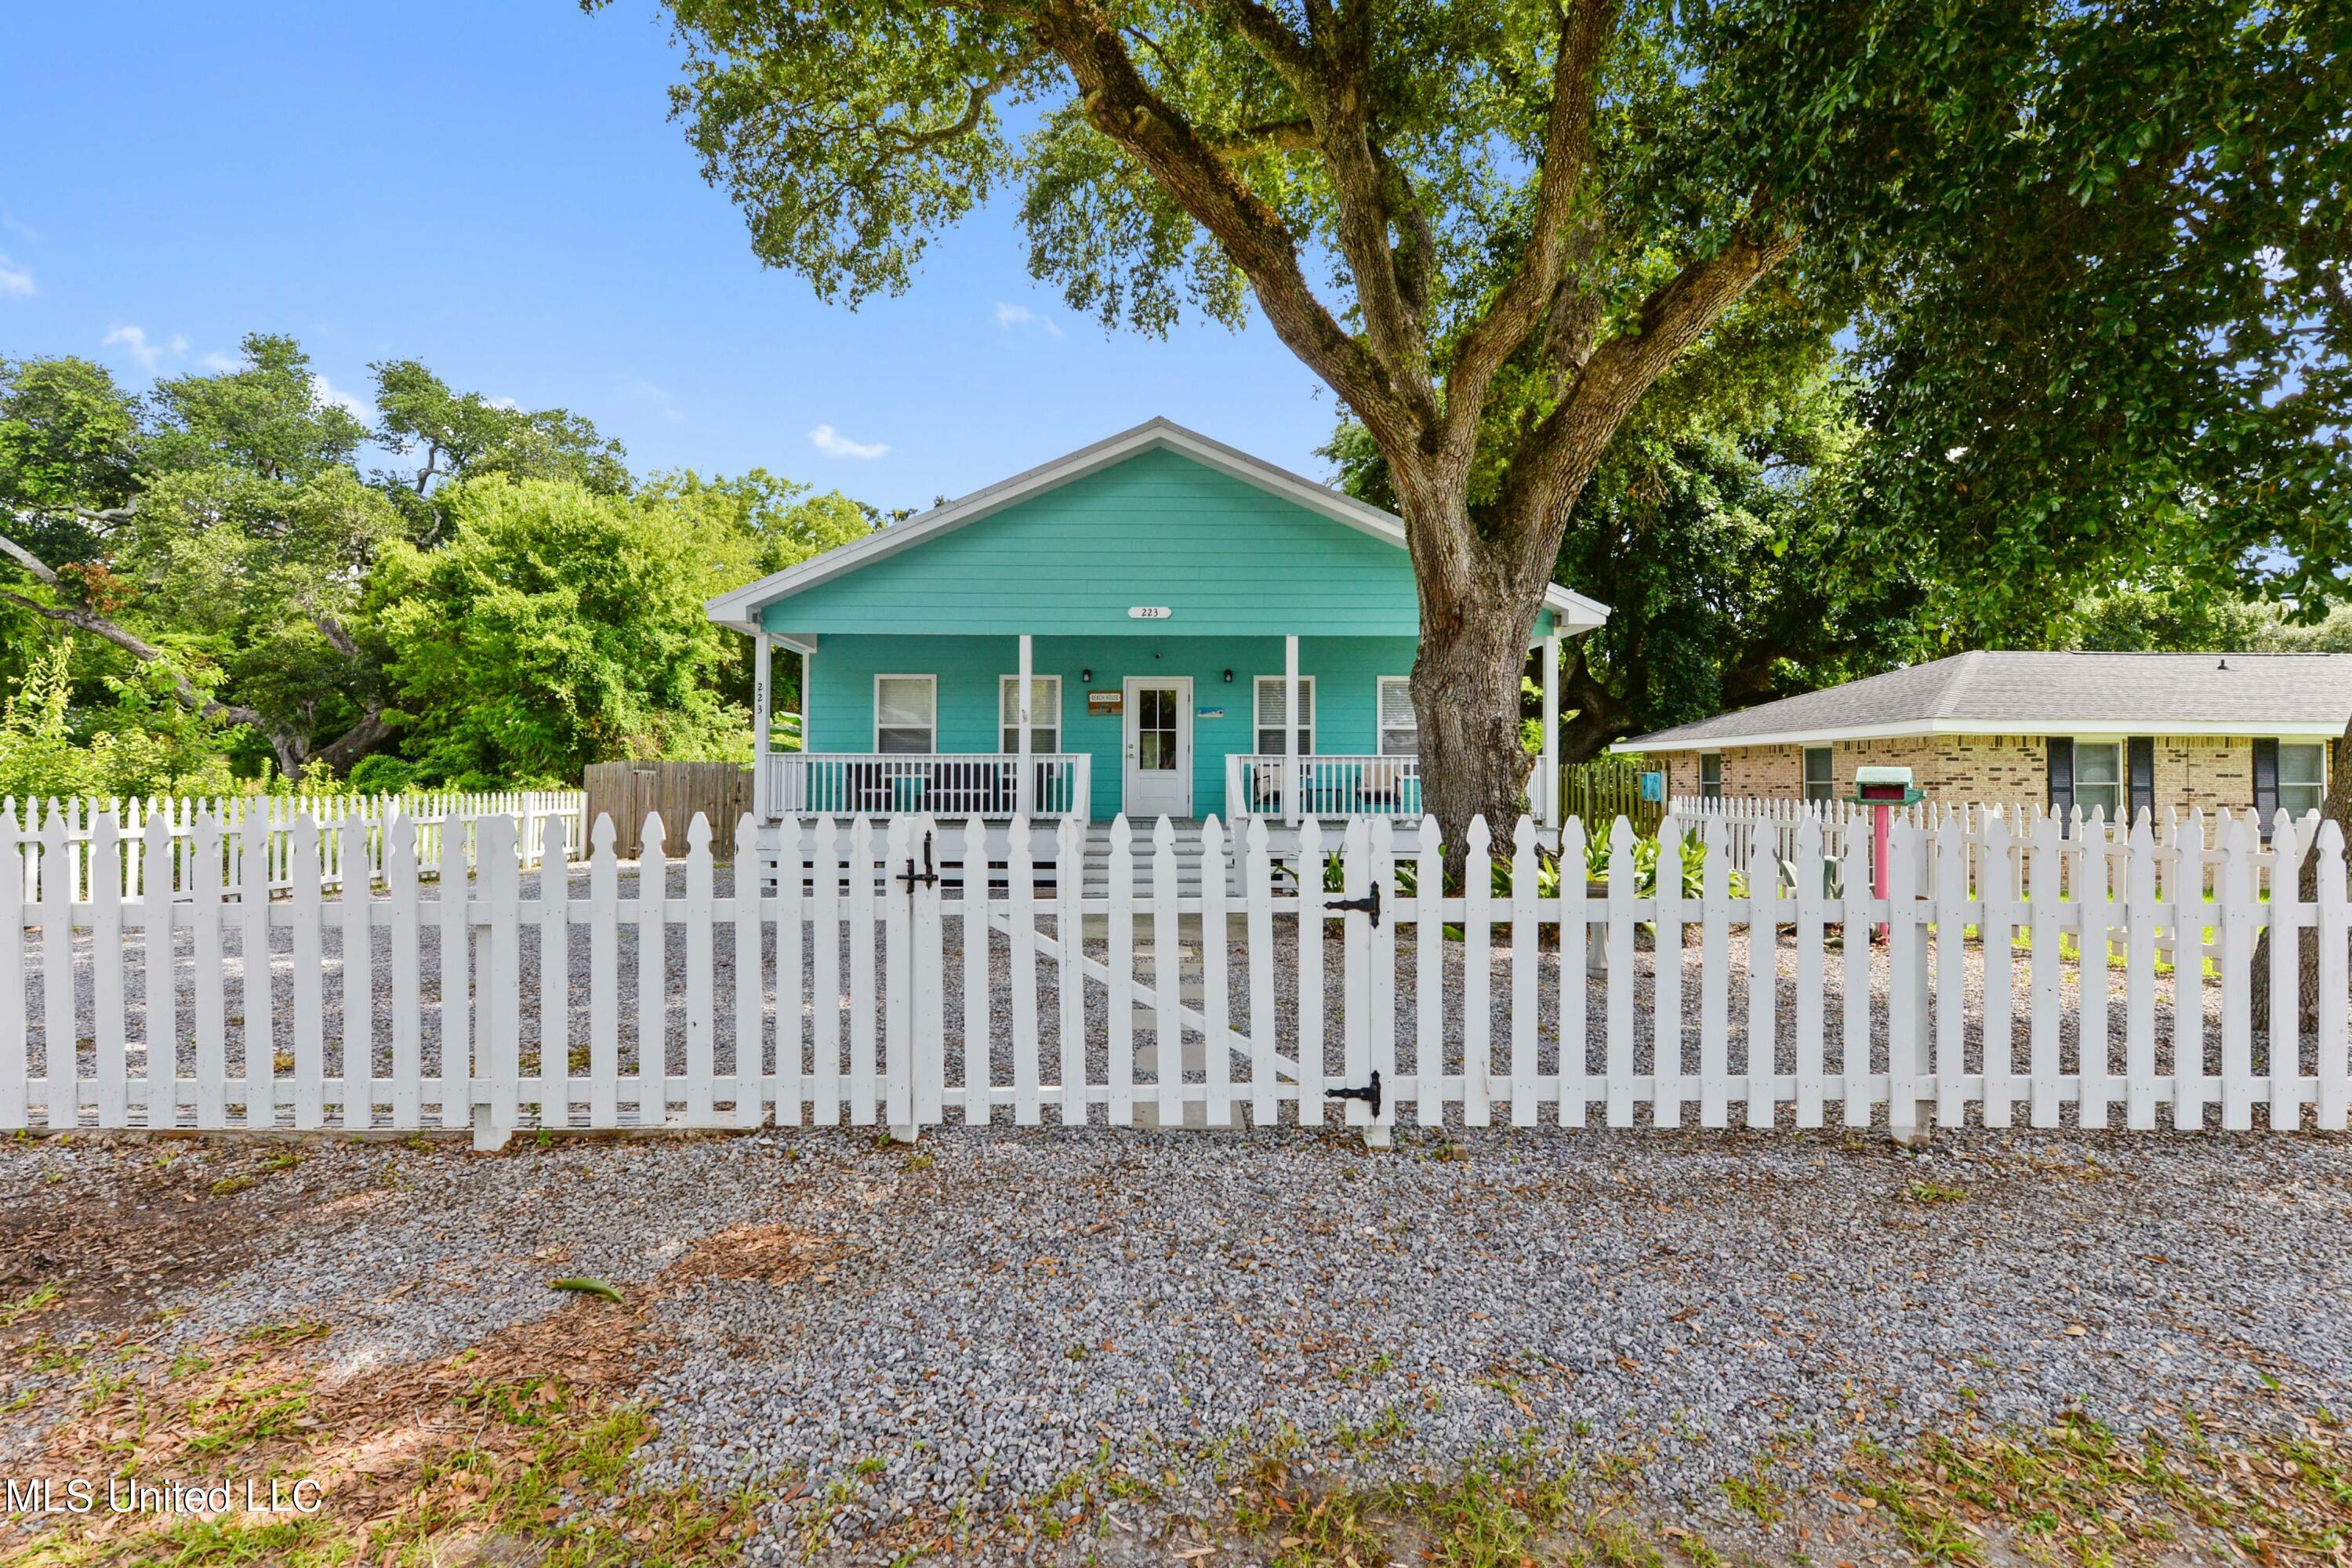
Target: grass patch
(543, 1474)
(486, 1456)
(2077, 1494)
(1931, 1192)
(1502, 1510)
(46, 1294)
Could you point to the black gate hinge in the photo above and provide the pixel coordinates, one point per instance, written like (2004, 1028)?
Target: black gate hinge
(1369, 904)
(926, 876)
(1369, 1094)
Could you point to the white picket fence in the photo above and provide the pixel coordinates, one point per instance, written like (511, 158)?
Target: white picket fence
(272, 819)
(859, 991)
(1768, 827)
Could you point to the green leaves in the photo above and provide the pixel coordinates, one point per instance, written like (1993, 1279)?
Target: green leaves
(554, 628)
(850, 132)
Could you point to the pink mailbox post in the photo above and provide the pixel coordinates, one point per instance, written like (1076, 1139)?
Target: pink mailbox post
(1881, 789)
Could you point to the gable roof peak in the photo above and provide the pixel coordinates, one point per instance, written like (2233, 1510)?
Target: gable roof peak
(741, 608)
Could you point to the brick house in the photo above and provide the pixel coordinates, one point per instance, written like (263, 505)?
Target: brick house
(2110, 730)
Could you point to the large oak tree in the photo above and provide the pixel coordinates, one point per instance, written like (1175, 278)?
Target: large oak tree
(1488, 225)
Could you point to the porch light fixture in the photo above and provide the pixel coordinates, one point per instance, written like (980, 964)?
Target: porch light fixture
(1085, 678)
(1229, 677)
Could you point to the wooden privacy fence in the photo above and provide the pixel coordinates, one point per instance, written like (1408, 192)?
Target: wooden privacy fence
(269, 821)
(678, 793)
(2036, 978)
(1607, 788)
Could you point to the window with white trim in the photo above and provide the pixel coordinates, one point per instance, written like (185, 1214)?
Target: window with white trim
(2302, 776)
(2099, 778)
(1399, 724)
(1044, 712)
(1269, 715)
(906, 713)
(1710, 775)
(1821, 774)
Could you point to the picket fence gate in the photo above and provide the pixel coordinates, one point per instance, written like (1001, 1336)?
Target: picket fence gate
(842, 990)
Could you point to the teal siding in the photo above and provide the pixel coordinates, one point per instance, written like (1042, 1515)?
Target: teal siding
(1229, 559)
(840, 702)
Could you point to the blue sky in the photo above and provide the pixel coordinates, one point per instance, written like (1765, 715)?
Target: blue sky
(496, 189)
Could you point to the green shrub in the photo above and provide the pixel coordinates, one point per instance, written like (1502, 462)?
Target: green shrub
(382, 773)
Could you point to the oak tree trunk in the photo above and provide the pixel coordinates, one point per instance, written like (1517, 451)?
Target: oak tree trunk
(1465, 688)
(1477, 617)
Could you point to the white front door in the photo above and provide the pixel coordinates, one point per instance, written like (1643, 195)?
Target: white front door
(1158, 711)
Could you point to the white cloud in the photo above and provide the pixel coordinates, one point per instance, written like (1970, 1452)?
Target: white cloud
(22, 230)
(1023, 316)
(324, 395)
(502, 403)
(134, 341)
(14, 277)
(833, 443)
(216, 360)
(658, 396)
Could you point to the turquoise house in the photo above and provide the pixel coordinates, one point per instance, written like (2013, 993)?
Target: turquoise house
(1195, 630)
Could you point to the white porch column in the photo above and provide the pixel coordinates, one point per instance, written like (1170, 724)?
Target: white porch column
(1024, 785)
(1290, 727)
(762, 722)
(1551, 796)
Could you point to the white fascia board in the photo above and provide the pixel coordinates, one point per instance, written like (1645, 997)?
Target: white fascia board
(1576, 613)
(2103, 729)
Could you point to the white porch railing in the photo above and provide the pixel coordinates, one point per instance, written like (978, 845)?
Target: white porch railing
(877, 783)
(1329, 785)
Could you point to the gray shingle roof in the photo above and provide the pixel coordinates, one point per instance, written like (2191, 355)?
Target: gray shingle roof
(2054, 692)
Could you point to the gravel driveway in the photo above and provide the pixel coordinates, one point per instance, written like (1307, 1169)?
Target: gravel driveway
(906, 1344)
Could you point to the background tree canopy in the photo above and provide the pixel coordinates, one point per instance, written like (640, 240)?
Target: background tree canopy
(2083, 265)
(230, 577)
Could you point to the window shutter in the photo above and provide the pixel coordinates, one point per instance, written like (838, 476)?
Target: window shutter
(2141, 750)
(2059, 751)
(2266, 782)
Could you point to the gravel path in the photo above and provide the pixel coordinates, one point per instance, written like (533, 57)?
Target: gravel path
(622, 983)
(946, 1332)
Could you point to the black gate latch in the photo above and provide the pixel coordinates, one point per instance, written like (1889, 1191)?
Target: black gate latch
(1369, 1094)
(927, 874)
(1369, 904)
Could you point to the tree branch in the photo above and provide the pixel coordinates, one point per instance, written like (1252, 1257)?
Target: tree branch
(1524, 295)
(1120, 105)
(1369, 190)
(1272, 136)
(27, 560)
(1273, 41)
(1559, 455)
(142, 650)
(975, 104)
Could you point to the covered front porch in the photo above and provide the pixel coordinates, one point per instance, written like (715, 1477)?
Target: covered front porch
(1154, 627)
(1148, 724)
